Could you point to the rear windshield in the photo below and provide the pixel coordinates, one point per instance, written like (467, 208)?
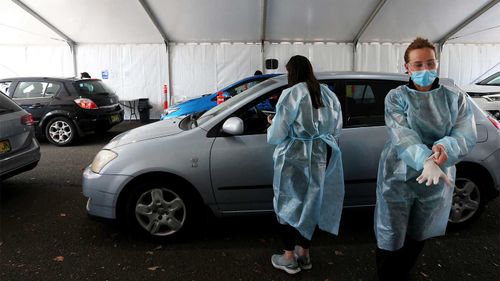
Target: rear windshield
(7, 105)
(90, 87)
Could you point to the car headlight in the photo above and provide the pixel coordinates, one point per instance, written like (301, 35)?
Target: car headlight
(172, 110)
(102, 159)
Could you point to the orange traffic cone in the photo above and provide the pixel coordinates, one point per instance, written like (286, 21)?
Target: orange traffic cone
(220, 97)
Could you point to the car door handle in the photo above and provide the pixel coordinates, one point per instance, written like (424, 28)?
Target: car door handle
(36, 105)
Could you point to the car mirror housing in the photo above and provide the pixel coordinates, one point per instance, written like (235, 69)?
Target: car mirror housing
(233, 126)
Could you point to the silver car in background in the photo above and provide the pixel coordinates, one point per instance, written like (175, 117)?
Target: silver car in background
(158, 177)
(19, 149)
(486, 94)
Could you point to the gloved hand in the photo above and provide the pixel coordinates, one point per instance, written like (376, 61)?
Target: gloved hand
(432, 173)
(440, 154)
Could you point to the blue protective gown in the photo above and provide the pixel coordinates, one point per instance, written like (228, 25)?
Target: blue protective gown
(416, 121)
(307, 192)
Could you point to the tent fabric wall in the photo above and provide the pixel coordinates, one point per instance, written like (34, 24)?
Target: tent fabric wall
(465, 62)
(133, 71)
(204, 68)
(141, 70)
(194, 70)
(323, 56)
(49, 60)
(380, 57)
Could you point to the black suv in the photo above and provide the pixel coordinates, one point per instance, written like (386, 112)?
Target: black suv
(65, 108)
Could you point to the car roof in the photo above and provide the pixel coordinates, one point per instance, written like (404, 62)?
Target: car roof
(253, 77)
(366, 75)
(58, 79)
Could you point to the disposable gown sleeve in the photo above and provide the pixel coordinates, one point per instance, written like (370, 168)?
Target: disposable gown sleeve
(338, 126)
(284, 117)
(407, 142)
(463, 134)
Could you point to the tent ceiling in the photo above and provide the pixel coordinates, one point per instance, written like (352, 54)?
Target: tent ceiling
(19, 27)
(320, 20)
(485, 29)
(125, 21)
(401, 21)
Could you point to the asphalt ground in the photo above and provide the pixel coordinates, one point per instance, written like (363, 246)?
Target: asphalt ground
(45, 234)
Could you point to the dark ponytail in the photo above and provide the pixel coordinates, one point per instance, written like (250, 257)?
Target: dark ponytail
(300, 70)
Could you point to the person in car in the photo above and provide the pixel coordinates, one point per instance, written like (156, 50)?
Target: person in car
(431, 127)
(308, 187)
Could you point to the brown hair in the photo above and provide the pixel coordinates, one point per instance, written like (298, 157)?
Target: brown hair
(300, 70)
(418, 43)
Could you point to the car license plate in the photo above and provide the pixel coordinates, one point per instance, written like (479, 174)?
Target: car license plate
(115, 118)
(4, 146)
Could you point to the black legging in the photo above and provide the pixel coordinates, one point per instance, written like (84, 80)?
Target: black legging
(292, 237)
(397, 265)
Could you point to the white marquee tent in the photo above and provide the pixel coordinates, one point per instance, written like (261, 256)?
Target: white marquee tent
(199, 46)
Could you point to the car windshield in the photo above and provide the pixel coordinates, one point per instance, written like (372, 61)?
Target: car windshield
(222, 107)
(493, 80)
(92, 87)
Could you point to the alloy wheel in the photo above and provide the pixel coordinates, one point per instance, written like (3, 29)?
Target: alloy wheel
(60, 131)
(466, 200)
(160, 211)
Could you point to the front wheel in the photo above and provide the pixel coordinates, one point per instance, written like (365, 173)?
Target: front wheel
(160, 212)
(467, 201)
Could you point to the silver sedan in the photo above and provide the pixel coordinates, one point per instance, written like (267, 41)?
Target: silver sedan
(160, 177)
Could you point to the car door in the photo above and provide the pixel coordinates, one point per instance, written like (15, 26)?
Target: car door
(35, 96)
(363, 136)
(241, 166)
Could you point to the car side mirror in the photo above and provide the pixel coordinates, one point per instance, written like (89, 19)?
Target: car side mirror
(233, 126)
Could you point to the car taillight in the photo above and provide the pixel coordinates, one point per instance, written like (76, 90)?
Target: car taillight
(494, 122)
(86, 103)
(27, 120)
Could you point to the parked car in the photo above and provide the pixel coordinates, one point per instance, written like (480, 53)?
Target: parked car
(158, 177)
(19, 149)
(206, 102)
(486, 94)
(65, 108)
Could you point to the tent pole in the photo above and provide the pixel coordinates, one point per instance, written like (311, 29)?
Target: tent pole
(159, 28)
(459, 27)
(263, 19)
(72, 48)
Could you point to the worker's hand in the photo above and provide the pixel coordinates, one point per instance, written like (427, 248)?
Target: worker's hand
(441, 156)
(270, 118)
(431, 174)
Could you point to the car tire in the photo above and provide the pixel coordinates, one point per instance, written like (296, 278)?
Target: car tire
(60, 131)
(159, 211)
(469, 198)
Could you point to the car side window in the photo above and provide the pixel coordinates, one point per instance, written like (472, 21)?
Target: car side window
(51, 89)
(364, 102)
(254, 115)
(35, 89)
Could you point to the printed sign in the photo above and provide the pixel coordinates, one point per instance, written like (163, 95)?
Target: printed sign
(104, 74)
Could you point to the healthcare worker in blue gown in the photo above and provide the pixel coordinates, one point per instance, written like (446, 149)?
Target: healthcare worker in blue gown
(308, 187)
(431, 127)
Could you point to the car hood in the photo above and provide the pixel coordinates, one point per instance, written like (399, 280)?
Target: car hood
(473, 88)
(154, 130)
(195, 101)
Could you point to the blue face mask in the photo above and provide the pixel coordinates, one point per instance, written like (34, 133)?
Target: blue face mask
(424, 78)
